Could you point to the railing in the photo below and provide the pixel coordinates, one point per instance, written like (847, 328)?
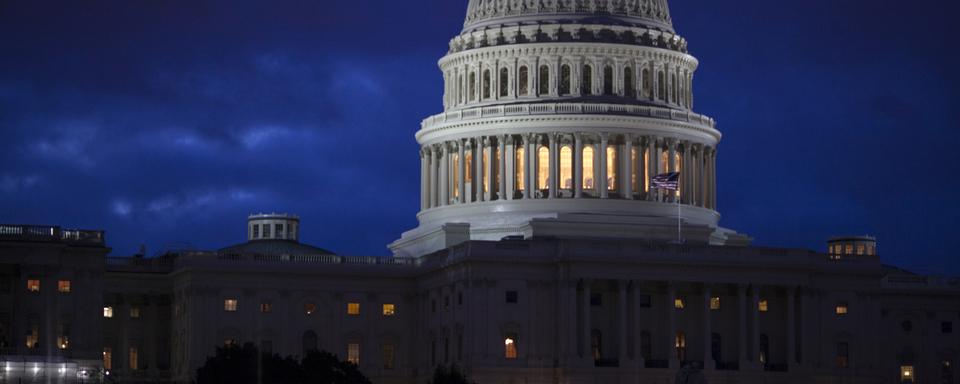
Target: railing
(168, 263)
(47, 233)
(916, 281)
(567, 108)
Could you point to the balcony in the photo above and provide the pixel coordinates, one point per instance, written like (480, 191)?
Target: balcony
(51, 234)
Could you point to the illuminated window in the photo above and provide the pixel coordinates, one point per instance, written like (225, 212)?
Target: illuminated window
(389, 356)
(564, 80)
(353, 353)
(486, 169)
(353, 309)
(63, 286)
(108, 312)
(664, 162)
(763, 306)
(586, 83)
(588, 160)
(848, 249)
(33, 336)
(543, 168)
(841, 309)
(646, 171)
(389, 310)
(612, 168)
(510, 347)
(596, 344)
(906, 373)
(520, 161)
(861, 249)
(229, 342)
(230, 305)
(468, 166)
(680, 342)
(566, 167)
(715, 303)
(679, 303)
(134, 312)
(309, 308)
(33, 285)
(871, 250)
(134, 357)
(63, 337)
(107, 358)
(523, 80)
(456, 175)
(544, 80)
(843, 355)
(266, 307)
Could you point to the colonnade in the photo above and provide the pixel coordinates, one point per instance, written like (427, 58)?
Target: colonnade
(565, 166)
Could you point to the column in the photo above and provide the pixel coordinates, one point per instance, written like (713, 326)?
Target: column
(577, 165)
(626, 178)
(791, 328)
(641, 165)
(570, 331)
(433, 176)
(637, 326)
(468, 190)
(534, 166)
(755, 326)
(742, 318)
(510, 167)
(586, 331)
(444, 198)
(478, 161)
(502, 161)
(462, 168)
(490, 173)
(554, 160)
(708, 362)
(602, 177)
(652, 165)
(672, 165)
(687, 169)
(622, 322)
(424, 180)
(526, 165)
(672, 326)
(713, 179)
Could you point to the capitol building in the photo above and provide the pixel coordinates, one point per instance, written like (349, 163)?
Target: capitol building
(544, 253)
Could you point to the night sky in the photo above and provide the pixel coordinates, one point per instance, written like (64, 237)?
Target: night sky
(166, 122)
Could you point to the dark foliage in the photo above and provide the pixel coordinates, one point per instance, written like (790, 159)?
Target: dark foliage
(246, 365)
(451, 375)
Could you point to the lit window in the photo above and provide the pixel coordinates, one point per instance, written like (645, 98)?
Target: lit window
(353, 353)
(587, 167)
(612, 168)
(229, 342)
(510, 347)
(63, 286)
(33, 285)
(848, 249)
(266, 307)
(861, 249)
(842, 309)
(763, 306)
(566, 167)
(309, 308)
(63, 342)
(353, 309)
(230, 305)
(543, 168)
(389, 310)
(107, 358)
(134, 312)
(389, 356)
(108, 312)
(518, 167)
(906, 373)
(33, 337)
(134, 357)
(680, 342)
(715, 303)
(678, 303)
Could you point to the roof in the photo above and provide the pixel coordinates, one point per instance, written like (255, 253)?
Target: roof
(274, 247)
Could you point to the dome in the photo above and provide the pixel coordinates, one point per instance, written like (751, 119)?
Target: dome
(654, 14)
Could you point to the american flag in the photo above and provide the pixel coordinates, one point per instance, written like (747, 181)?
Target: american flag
(669, 181)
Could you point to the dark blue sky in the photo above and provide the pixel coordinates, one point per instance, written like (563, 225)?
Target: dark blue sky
(167, 122)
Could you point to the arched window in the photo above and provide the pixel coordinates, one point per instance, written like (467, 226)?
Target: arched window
(647, 83)
(596, 344)
(510, 346)
(564, 80)
(309, 342)
(496, 161)
(486, 169)
(681, 344)
(468, 167)
(608, 80)
(520, 169)
(629, 84)
(588, 160)
(674, 88)
(543, 168)
(664, 162)
(523, 80)
(586, 84)
(544, 80)
(716, 347)
(456, 175)
(661, 86)
(612, 162)
(764, 349)
(646, 347)
(566, 167)
(486, 84)
(473, 86)
(504, 82)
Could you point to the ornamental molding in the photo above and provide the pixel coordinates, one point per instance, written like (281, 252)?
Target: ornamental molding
(559, 51)
(646, 11)
(546, 33)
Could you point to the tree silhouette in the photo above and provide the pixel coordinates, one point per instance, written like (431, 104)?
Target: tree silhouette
(451, 375)
(246, 365)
